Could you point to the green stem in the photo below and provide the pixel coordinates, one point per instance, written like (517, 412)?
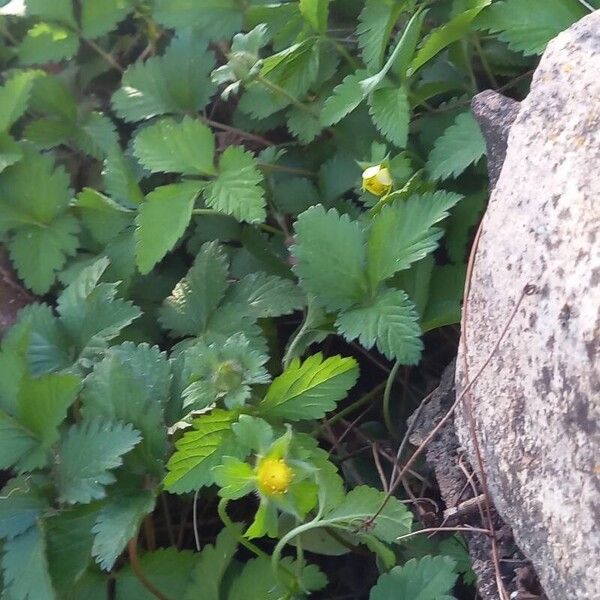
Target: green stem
(222, 510)
(387, 393)
(283, 92)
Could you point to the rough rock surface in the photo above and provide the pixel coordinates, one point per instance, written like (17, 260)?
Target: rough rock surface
(537, 404)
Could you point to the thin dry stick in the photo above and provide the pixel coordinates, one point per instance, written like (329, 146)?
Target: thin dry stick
(442, 529)
(195, 520)
(136, 567)
(375, 451)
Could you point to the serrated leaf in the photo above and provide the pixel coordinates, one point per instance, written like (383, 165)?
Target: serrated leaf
(162, 220)
(25, 567)
(358, 509)
(119, 179)
(346, 97)
(460, 146)
(117, 523)
(208, 572)
(87, 454)
(376, 22)
(191, 304)
(403, 233)
(390, 321)
(10, 151)
(450, 32)
(237, 189)
(316, 13)
(167, 146)
(39, 252)
(528, 27)
(199, 450)
(14, 97)
(47, 42)
(390, 111)
(310, 389)
(429, 578)
(102, 216)
(96, 135)
(304, 125)
(330, 255)
(17, 442)
(174, 83)
(99, 17)
(217, 19)
(266, 295)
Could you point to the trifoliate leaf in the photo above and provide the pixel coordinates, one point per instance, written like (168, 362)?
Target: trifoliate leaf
(376, 22)
(461, 145)
(86, 456)
(358, 511)
(429, 578)
(217, 19)
(167, 146)
(117, 523)
(162, 220)
(191, 304)
(47, 42)
(208, 572)
(310, 389)
(330, 254)
(390, 111)
(99, 17)
(390, 321)
(199, 450)
(346, 97)
(142, 374)
(25, 567)
(169, 571)
(237, 189)
(174, 83)
(528, 27)
(14, 97)
(265, 295)
(403, 233)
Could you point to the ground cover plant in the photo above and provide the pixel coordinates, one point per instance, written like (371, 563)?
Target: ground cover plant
(244, 226)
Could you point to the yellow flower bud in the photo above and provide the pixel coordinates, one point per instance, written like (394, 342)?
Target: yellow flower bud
(377, 180)
(274, 476)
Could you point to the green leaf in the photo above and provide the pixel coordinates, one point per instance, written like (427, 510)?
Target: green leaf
(57, 10)
(102, 216)
(316, 13)
(195, 298)
(208, 572)
(47, 42)
(357, 513)
(217, 19)
(38, 253)
(87, 454)
(390, 110)
(310, 389)
(99, 17)
(167, 146)
(266, 296)
(162, 220)
(403, 233)
(330, 254)
(25, 567)
(461, 145)
(120, 180)
(346, 97)
(14, 97)
(117, 523)
(199, 450)
(235, 478)
(304, 125)
(10, 151)
(142, 374)
(20, 507)
(174, 83)
(390, 321)
(237, 189)
(167, 569)
(452, 31)
(528, 27)
(17, 442)
(430, 578)
(96, 135)
(445, 297)
(376, 21)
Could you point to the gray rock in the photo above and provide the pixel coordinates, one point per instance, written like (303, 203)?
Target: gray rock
(536, 406)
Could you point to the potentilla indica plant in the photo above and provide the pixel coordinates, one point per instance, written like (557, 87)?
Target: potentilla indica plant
(239, 227)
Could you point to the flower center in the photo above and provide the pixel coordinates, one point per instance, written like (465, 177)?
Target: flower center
(274, 476)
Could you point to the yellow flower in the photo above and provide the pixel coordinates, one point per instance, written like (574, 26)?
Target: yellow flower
(377, 180)
(274, 476)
